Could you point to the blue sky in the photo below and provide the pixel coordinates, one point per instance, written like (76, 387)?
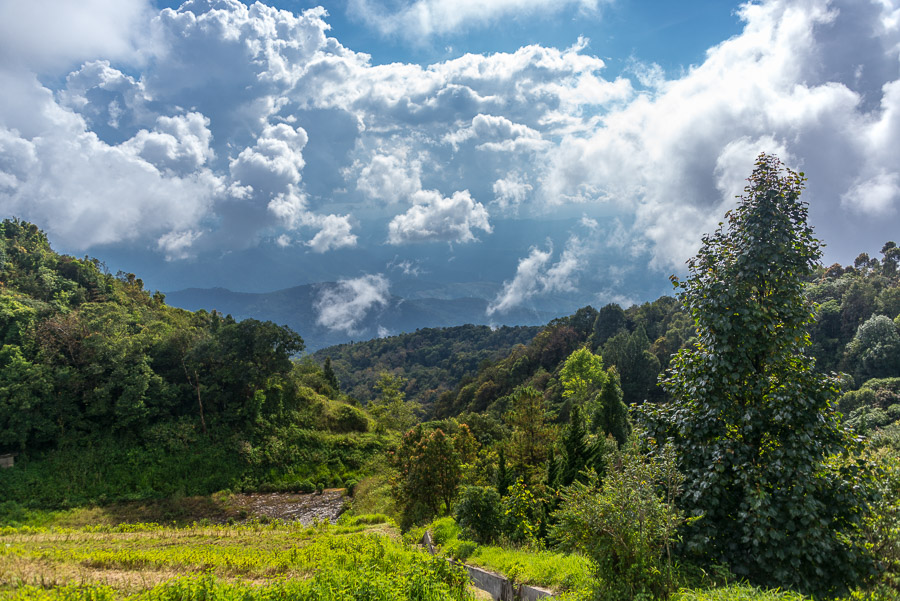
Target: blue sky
(550, 153)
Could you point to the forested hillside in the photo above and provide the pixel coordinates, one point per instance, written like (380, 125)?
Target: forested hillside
(107, 392)
(856, 332)
(431, 360)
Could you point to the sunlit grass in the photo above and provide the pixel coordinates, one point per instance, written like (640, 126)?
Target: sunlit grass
(247, 562)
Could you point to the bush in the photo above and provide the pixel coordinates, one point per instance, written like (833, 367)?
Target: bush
(363, 520)
(461, 549)
(521, 514)
(350, 485)
(444, 530)
(882, 524)
(627, 525)
(855, 399)
(373, 495)
(865, 419)
(350, 419)
(306, 487)
(478, 513)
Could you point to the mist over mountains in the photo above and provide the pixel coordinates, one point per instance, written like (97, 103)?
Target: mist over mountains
(330, 313)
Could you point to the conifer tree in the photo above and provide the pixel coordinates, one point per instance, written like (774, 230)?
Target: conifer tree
(611, 416)
(575, 447)
(504, 479)
(329, 375)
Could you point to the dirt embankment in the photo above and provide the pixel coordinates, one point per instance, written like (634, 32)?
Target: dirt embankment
(217, 509)
(305, 508)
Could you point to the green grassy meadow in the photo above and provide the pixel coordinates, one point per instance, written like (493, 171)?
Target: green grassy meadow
(250, 561)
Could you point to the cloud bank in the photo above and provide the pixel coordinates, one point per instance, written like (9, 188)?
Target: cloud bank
(218, 126)
(422, 19)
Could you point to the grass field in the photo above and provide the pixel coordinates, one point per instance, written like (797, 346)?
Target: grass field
(360, 558)
(220, 563)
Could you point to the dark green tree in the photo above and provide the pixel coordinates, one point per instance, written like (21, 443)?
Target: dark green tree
(575, 447)
(329, 375)
(611, 417)
(891, 259)
(25, 388)
(875, 350)
(429, 473)
(753, 421)
(478, 513)
(532, 435)
(610, 320)
(504, 478)
(638, 368)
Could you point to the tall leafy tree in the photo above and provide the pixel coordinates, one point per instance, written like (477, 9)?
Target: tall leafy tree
(532, 436)
(753, 421)
(637, 366)
(581, 377)
(875, 350)
(429, 473)
(391, 410)
(24, 391)
(610, 320)
(329, 375)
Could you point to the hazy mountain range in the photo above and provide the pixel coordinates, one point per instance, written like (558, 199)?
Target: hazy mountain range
(332, 313)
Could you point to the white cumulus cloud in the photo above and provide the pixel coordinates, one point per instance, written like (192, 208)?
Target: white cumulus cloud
(274, 162)
(50, 34)
(497, 133)
(334, 232)
(438, 218)
(180, 144)
(390, 178)
(344, 305)
(814, 81)
(510, 192)
(537, 274)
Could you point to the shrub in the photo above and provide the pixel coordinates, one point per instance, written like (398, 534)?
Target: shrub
(444, 530)
(521, 514)
(350, 419)
(350, 485)
(364, 520)
(882, 525)
(306, 487)
(461, 549)
(627, 525)
(478, 513)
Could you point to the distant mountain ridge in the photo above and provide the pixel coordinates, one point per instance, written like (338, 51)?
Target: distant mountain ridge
(296, 308)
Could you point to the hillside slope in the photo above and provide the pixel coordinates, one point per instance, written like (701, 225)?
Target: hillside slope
(106, 392)
(433, 360)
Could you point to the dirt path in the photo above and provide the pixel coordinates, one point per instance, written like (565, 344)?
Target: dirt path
(304, 508)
